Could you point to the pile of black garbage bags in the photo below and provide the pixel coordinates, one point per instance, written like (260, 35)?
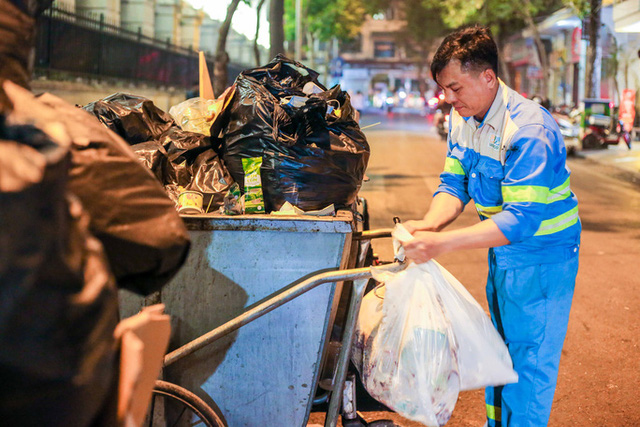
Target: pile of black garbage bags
(313, 151)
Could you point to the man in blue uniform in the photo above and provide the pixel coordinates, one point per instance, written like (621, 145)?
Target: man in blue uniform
(507, 154)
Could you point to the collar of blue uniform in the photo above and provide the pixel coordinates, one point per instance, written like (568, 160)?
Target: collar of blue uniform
(493, 117)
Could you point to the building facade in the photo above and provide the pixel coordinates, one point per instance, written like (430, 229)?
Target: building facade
(377, 65)
(566, 47)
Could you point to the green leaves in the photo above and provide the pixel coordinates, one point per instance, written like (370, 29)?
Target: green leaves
(327, 18)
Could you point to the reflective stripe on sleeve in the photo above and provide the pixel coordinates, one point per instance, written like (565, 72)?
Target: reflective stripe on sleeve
(558, 223)
(453, 166)
(494, 412)
(488, 211)
(524, 193)
(561, 192)
(535, 193)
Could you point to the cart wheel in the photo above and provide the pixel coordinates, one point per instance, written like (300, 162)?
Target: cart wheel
(172, 405)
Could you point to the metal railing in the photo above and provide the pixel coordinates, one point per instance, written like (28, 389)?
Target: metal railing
(85, 45)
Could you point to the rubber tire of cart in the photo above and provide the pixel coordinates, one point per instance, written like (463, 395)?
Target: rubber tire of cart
(190, 401)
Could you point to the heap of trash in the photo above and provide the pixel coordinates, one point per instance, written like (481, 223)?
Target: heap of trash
(276, 140)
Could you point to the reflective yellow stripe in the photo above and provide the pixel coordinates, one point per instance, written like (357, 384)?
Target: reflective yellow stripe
(561, 192)
(524, 193)
(488, 211)
(558, 223)
(494, 412)
(534, 193)
(454, 166)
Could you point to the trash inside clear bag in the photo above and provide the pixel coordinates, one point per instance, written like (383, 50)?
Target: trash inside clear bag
(483, 358)
(421, 338)
(409, 355)
(194, 115)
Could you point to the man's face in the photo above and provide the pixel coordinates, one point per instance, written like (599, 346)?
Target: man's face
(471, 93)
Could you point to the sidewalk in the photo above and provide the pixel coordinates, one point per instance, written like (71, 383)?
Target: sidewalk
(618, 157)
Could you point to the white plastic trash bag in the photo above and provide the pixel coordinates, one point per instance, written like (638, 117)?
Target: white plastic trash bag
(421, 338)
(483, 358)
(409, 355)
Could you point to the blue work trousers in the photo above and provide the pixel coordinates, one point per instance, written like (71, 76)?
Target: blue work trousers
(530, 308)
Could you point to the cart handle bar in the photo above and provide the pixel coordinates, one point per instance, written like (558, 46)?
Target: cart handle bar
(372, 234)
(273, 303)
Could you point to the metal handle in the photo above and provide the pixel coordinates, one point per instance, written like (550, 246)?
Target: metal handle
(273, 303)
(371, 234)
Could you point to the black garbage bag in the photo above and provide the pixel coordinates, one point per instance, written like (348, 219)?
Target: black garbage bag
(145, 240)
(135, 118)
(17, 39)
(310, 158)
(58, 298)
(179, 159)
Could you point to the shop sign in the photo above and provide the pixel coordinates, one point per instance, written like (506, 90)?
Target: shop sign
(628, 108)
(534, 73)
(576, 38)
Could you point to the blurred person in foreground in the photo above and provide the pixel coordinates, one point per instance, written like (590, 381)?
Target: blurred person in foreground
(80, 218)
(507, 154)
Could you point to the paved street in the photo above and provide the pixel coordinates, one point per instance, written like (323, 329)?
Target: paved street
(600, 370)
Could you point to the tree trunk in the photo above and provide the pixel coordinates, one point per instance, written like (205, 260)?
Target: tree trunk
(311, 49)
(276, 27)
(542, 53)
(502, 65)
(594, 52)
(626, 73)
(422, 65)
(256, 49)
(327, 63)
(221, 60)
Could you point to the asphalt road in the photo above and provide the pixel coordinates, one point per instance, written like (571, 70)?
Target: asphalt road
(599, 380)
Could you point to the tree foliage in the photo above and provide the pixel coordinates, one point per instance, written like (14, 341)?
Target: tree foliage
(423, 24)
(504, 15)
(326, 19)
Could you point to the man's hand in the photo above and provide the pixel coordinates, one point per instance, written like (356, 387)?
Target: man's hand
(419, 225)
(425, 246)
(443, 210)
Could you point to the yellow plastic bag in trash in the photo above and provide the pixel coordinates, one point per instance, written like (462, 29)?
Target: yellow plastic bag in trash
(197, 114)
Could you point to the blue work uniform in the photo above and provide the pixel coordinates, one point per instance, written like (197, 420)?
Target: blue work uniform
(513, 166)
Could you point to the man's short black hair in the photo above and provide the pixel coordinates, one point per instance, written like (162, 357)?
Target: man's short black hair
(472, 46)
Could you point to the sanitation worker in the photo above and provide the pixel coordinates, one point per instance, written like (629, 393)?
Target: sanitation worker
(507, 154)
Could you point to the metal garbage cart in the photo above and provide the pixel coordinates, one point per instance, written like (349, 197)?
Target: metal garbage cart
(265, 373)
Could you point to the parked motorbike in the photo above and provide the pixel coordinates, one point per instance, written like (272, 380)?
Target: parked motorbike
(600, 127)
(601, 133)
(441, 121)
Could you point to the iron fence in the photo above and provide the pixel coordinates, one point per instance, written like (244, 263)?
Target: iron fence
(87, 46)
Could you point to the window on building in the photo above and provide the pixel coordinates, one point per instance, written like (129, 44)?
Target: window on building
(352, 46)
(384, 49)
